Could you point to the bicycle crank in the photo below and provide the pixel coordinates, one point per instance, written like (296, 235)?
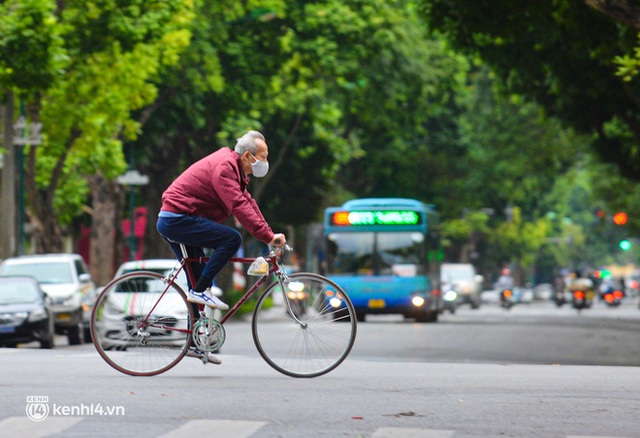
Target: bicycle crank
(208, 335)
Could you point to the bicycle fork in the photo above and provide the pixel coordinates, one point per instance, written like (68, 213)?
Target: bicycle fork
(286, 284)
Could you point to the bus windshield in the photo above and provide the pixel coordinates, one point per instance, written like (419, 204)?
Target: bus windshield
(376, 253)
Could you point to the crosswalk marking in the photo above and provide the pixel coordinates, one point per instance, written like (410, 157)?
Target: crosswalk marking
(23, 426)
(217, 428)
(403, 432)
(50, 426)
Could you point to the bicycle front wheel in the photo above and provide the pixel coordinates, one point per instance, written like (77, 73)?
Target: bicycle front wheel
(140, 324)
(313, 334)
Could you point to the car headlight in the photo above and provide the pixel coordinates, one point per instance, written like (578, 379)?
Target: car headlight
(450, 295)
(38, 315)
(72, 301)
(112, 309)
(21, 316)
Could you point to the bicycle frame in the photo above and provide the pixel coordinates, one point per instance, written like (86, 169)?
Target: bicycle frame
(185, 264)
(274, 267)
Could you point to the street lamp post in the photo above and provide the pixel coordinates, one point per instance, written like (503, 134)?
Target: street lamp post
(27, 134)
(132, 178)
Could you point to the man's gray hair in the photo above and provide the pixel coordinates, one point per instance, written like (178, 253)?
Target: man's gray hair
(248, 142)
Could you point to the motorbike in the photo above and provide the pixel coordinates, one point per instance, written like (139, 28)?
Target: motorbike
(449, 301)
(613, 296)
(507, 299)
(579, 299)
(582, 293)
(559, 298)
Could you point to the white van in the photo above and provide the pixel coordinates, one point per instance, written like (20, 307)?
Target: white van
(465, 281)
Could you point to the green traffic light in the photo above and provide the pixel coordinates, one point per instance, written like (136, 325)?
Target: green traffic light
(625, 245)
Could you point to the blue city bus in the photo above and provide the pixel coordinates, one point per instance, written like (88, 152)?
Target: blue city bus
(386, 254)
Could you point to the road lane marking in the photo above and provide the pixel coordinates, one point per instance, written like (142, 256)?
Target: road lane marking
(405, 432)
(23, 426)
(217, 428)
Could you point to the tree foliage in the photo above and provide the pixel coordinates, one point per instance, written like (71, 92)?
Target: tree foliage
(94, 64)
(356, 98)
(560, 53)
(323, 80)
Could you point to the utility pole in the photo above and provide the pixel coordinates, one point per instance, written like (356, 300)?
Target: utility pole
(28, 134)
(15, 138)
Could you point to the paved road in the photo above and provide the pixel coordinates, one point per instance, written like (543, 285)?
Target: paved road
(383, 390)
(245, 398)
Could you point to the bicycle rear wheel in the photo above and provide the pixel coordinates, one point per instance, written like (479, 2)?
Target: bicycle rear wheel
(320, 341)
(140, 324)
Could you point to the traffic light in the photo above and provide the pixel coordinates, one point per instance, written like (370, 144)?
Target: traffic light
(620, 218)
(625, 244)
(601, 274)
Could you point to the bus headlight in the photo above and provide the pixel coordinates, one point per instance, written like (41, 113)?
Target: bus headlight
(417, 301)
(335, 302)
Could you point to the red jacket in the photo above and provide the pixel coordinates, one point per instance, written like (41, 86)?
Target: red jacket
(216, 188)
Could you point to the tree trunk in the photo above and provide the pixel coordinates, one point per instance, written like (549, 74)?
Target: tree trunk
(8, 193)
(623, 11)
(104, 220)
(47, 231)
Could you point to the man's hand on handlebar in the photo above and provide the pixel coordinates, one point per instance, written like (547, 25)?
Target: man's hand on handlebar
(279, 240)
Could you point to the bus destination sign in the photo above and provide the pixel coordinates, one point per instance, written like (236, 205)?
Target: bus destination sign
(375, 217)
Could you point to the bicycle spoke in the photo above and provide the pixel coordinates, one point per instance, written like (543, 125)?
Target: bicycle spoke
(323, 339)
(140, 324)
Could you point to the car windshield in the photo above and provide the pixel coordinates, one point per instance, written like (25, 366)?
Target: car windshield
(44, 272)
(131, 286)
(458, 272)
(18, 291)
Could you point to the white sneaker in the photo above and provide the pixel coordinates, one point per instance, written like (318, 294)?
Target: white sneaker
(194, 352)
(207, 298)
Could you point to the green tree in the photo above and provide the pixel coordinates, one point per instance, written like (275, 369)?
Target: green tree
(561, 54)
(321, 80)
(516, 242)
(112, 52)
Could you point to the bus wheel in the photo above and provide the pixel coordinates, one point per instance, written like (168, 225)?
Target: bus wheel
(427, 316)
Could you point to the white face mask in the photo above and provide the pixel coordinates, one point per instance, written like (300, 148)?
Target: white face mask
(259, 168)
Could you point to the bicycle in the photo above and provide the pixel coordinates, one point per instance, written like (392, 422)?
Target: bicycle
(303, 324)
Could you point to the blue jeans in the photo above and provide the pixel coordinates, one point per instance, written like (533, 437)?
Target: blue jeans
(197, 233)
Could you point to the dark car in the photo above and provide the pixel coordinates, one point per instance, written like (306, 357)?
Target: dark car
(24, 312)
(67, 282)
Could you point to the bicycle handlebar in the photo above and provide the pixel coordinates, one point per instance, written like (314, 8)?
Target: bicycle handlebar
(286, 247)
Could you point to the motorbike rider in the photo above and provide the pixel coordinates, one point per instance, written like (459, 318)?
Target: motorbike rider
(505, 281)
(559, 287)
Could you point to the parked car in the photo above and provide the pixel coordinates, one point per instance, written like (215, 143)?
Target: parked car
(464, 281)
(161, 266)
(25, 314)
(116, 316)
(67, 282)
